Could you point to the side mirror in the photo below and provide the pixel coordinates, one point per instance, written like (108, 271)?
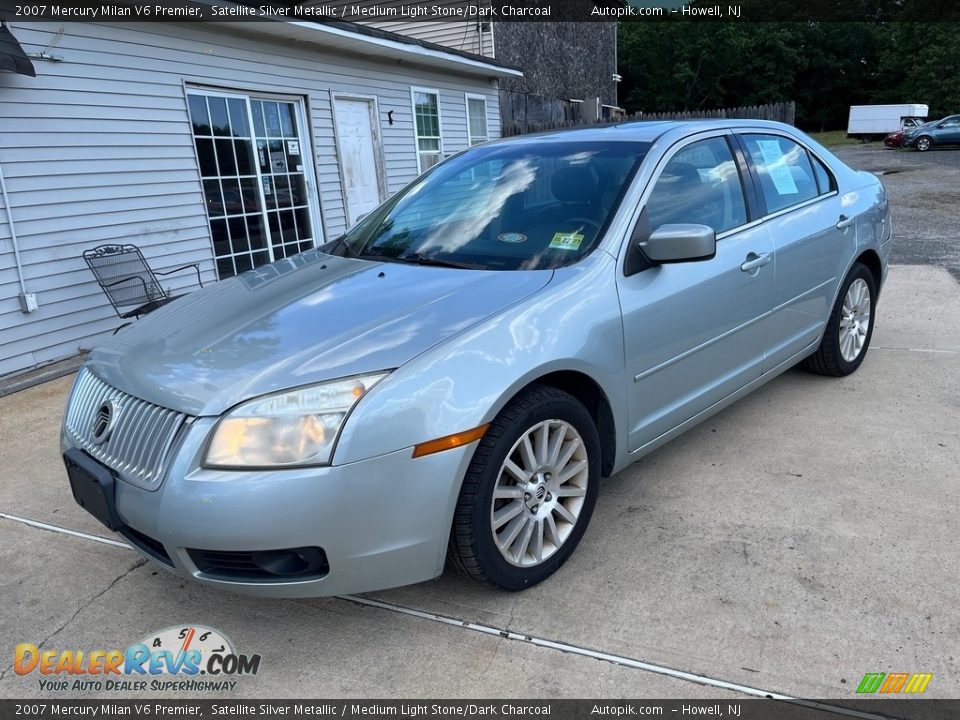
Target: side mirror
(680, 243)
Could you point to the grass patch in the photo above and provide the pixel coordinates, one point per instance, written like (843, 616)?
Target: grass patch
(833, 138)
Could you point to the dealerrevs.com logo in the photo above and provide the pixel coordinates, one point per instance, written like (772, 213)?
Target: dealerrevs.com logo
(192, 659)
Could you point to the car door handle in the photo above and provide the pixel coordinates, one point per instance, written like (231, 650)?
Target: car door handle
(755, 261)
(845, 222)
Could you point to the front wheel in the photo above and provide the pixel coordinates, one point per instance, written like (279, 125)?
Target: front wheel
(529, 492)
(924, 144)
(847, 335)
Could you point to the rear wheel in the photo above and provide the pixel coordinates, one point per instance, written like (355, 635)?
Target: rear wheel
(924, 143)
(529, 492)
(847, 336)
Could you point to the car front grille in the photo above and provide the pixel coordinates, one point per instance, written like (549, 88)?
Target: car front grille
(138, 446)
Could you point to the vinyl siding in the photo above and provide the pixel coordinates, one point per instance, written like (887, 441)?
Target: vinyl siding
(97, 149)
(462, 35)
(457, 34)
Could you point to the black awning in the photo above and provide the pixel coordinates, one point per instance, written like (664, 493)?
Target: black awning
(12, 56)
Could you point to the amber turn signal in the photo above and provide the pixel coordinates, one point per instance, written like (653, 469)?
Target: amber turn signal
(450, 441)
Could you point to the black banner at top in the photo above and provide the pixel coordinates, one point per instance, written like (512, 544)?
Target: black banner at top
(483, 10)
(730, 708)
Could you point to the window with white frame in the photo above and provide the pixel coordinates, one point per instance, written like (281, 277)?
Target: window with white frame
(426, 114)
(477, 119)
(254, 163)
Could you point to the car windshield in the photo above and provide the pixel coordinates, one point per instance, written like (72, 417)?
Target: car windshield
(513, 206)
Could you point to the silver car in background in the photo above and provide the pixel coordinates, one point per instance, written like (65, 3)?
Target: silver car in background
(451, 379)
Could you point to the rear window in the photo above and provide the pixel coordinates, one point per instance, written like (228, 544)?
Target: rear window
(785, 170)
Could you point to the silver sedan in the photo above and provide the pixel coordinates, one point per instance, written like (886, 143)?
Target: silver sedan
(451, 379)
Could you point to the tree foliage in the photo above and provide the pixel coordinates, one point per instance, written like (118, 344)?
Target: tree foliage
(824, 66)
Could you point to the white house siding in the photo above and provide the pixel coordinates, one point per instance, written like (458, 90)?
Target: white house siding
(467, 34)
(98, 149)
(462, 35)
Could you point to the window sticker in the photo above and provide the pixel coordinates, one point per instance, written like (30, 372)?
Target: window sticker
(267, 188)
(512, 237)
(566, 241)
(293, 147)
(777, 167)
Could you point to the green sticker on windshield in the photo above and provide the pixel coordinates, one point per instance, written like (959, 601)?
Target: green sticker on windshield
(566, 241)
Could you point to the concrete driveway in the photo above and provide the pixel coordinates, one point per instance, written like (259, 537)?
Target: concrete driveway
(803, 537)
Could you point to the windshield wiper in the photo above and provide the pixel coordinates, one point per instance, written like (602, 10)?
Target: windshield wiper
(420, 259)
(347, 247)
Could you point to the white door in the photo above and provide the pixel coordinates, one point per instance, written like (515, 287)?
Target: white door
(358, 157)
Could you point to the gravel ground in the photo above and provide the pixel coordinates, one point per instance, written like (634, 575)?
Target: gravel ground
(924, 191)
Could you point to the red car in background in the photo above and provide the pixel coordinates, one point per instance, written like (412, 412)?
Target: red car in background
(894, 139)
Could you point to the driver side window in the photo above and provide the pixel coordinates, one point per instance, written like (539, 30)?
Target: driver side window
(700, 184)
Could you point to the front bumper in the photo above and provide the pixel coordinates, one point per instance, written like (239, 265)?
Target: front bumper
(382, 522)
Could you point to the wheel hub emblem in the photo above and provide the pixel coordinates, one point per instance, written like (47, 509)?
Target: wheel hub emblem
(541, 492)
(104, 421)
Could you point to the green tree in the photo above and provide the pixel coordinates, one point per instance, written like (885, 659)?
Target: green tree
(920, 63)
(824, 66)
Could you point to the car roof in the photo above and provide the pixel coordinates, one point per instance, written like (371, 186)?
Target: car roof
(642, 130)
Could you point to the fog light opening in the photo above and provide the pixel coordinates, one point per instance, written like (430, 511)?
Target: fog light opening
(291, 562)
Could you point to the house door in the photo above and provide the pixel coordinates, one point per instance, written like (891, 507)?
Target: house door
(358, 148)
(257, 173)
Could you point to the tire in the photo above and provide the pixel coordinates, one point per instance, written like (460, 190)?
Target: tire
(923, 143)
(475, 542)
(840, 354)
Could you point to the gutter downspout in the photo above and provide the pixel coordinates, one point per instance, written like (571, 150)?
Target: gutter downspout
(28, 301)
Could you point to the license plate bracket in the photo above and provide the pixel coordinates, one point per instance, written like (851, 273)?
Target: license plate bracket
(93, 487)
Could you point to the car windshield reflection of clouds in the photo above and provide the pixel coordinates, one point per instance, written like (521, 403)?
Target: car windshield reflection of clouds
(523, 206)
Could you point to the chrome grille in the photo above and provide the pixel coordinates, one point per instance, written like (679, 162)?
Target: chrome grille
(138, 446)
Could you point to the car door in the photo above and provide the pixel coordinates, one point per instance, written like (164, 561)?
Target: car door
(692, 331)
(948, 131)
(813, 237)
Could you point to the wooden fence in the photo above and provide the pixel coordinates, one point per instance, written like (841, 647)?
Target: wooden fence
(522, 114)
(782, 112)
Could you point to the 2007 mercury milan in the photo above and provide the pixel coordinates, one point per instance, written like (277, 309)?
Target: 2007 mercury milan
(452, 378)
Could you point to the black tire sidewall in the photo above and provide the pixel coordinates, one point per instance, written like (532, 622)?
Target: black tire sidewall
(861, 272)
(500, 572)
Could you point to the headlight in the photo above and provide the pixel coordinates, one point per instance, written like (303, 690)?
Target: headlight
(287, 429)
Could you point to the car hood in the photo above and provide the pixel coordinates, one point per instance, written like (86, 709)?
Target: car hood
(306, 319)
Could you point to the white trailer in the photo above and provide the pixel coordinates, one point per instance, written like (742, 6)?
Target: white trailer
(868, 121)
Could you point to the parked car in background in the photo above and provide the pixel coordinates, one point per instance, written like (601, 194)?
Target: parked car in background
(453, 376)
(934, 134)
(894, 139)
(870, 122)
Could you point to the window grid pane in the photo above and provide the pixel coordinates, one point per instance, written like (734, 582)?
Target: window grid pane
(426, 112)
(477, 120)
(243, 165)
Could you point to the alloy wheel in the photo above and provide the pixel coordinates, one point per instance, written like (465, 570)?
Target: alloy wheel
(540, 492)
(854, 320)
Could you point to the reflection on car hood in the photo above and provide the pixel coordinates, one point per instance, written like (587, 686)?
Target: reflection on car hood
(302, 320)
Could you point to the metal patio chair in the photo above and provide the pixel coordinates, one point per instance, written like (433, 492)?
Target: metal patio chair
(128, 281)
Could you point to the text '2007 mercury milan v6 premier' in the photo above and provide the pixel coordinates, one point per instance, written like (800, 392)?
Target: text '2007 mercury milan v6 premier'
(452, 378)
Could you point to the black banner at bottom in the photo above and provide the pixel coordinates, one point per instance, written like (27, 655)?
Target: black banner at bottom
(746, 709)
